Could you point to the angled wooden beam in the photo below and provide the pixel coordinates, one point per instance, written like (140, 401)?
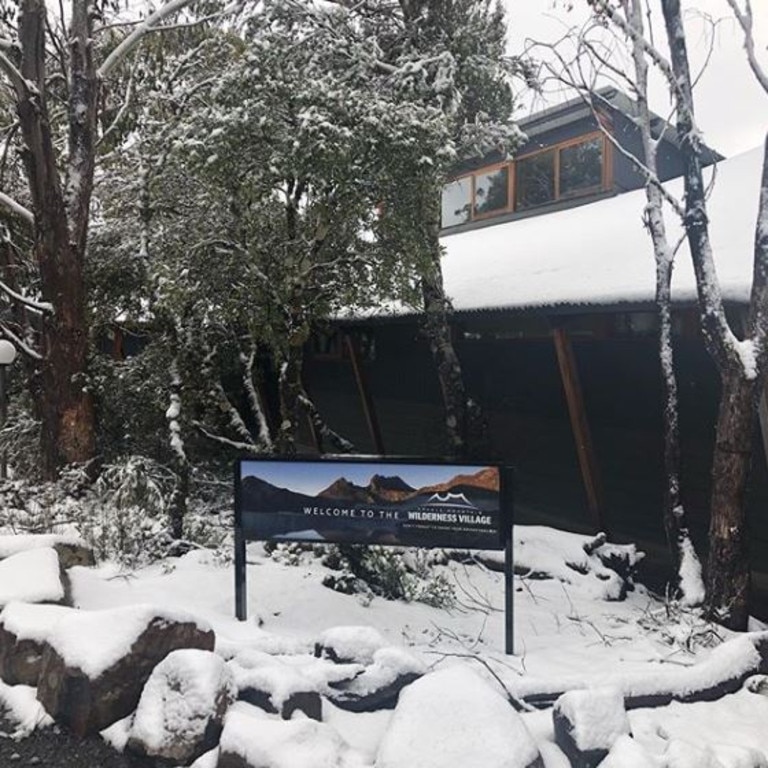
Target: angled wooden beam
(590, 475)
(366, 400)
(762, 410)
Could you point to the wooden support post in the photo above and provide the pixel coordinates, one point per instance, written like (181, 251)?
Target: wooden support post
(762, 397)
(762, 411)
(369, 409)
(585, 450)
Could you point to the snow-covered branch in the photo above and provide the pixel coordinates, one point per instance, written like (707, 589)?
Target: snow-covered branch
(13, 74)
(173, 413)
(6, 44)
(123, 109)
(653, 53)
(42, 307)
(19, 343)
(254, 401)
(745, 20)
(248, 447)
(757, 321)
(17, 208)
(321, 428)
(646, 169)
(147, 26)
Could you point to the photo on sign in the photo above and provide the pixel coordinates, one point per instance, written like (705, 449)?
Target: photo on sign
(421, 505)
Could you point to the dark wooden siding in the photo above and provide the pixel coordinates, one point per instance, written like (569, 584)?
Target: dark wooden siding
(517, 382)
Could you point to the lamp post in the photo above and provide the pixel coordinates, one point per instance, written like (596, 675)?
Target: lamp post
(7, 356)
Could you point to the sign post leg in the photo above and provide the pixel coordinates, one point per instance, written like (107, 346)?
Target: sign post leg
(240, 591)
(509, 598)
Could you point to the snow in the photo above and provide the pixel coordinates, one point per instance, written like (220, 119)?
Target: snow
(627, 753)
(95, 640)
(568, 635)
(561, 555)
(600, 253)
(691, 580)
(454, 718)
(32, 576)
(20, 704)
(353, 643)
(179, 697)
(11, 544)
(285, 744)
(725, 724)
(30, 621)
(277, 680)
(597, 716)
(747, 352)
(389, 664)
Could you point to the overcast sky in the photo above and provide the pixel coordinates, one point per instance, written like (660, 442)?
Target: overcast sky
(731, 109)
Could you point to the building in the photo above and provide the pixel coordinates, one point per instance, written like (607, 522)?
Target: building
(552, 278)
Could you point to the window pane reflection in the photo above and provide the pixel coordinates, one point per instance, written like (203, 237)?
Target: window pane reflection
(492, 191)
(581, 167)
(535, 180)
(456, 202)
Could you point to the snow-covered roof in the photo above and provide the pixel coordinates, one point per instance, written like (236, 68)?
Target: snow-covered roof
(600, 254)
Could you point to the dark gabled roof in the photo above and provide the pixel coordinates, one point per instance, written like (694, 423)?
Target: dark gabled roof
(608, 99)
(617, 104)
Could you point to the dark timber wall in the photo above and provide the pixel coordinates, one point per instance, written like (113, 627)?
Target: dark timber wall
(513, 372)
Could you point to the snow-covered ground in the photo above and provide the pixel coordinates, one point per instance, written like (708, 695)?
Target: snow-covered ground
(567, 635)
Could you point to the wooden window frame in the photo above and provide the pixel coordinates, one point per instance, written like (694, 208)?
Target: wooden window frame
(583, 138)
(511, 166)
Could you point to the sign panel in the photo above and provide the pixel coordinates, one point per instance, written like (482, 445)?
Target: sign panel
(371, 502)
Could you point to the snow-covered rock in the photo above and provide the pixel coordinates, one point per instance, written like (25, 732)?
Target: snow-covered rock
(97, 662)
(349, 644)
(72, 550)
(181, 711)
(380, 683)
(32, 576)
(251, 740)
(588, 723)
(24, 630)
(628, 753)
(275, 687)
(683, 754)
(453, 719)
(739, 757)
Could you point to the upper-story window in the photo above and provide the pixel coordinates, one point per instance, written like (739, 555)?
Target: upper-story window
(566, 170)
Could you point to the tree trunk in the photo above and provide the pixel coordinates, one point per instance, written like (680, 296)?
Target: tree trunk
(290, 393)
(465, 429)
(728, 567)
(177, 506)
(66, 406)
(61, 223)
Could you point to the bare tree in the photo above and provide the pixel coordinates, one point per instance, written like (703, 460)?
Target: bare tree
(740, 359)
(595, 56)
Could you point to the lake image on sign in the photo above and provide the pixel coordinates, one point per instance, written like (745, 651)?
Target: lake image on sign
(371, 503)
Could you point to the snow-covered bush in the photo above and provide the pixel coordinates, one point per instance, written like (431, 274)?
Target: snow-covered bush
(123, 514)
(388, 573)
(20, 440)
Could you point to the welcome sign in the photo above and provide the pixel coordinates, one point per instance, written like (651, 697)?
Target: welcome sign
(371, 502)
